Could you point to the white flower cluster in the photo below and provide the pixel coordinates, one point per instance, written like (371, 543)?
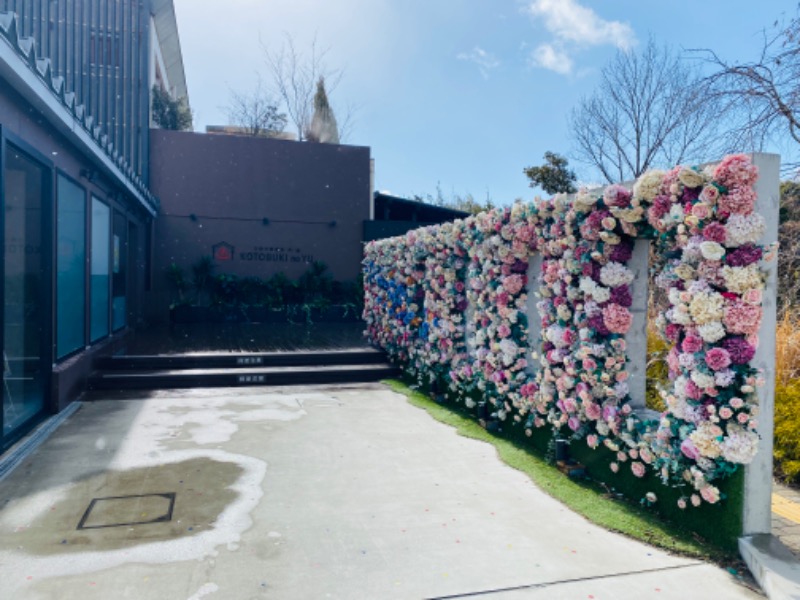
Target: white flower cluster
(741, 279)
(739, 446)
(744, 229)
(648, 185)
(712, 250)
(615, 274)
(706, 439)
(598, 293)
(706, 307)
(711, 332)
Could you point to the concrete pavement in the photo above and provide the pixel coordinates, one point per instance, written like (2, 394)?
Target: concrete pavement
(302, 493)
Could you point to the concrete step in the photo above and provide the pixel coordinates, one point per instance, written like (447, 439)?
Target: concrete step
(241, 376)
(231, 360)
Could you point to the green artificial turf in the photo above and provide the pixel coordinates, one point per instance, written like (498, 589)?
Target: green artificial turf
(588, 498)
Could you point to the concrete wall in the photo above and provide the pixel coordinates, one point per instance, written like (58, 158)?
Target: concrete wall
(220, 189)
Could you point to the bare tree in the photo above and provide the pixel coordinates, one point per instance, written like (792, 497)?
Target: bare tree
(255, 112)
(789, 238)
(765, 92)
(650, 108)
(294, 76)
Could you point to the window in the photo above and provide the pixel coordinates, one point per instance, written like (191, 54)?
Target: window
(70, 267)
(26, 313)
(100, 263)
(119, 271)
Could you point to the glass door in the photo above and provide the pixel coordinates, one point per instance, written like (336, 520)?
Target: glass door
(26, 291)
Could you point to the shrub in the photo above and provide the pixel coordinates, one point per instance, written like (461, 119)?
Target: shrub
(657, 369)
(787, 426)
(787, 398)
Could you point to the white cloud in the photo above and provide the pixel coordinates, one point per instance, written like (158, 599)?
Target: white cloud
(485, 61)
(549, 57)
(571, 22)
(574, 27)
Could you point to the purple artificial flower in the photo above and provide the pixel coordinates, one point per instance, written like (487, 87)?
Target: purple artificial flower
(597, 323)
(622, 252)
(519, 266)
(621, 295)
(744, 255)
(691, 194)
(740, 351)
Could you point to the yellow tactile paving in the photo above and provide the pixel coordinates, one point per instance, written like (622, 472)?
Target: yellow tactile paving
(786, 508)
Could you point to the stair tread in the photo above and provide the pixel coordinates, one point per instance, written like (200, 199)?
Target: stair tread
(263, 370)
(201, 355)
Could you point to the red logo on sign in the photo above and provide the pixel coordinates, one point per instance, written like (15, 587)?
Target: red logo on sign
(222, 252)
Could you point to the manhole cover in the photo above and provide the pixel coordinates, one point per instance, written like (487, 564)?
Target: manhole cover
(119, 511)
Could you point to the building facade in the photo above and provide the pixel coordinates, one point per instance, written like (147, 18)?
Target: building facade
(257, 206)
(75, 80)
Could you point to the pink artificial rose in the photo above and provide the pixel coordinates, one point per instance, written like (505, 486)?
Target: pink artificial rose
(753, 297)
(693, 391)
(617, 195)
(609, 223)
(701, 211)
(736, 170)
(593, 411)
(638, 469)
(714, 232)
(614, 467)
(741, 317)
(672, 331)
(695, 500)
(718, 359)
(692, 344)
(710, 194)
(710, 494)
(689, 449)
(617, 319)
(739, 201)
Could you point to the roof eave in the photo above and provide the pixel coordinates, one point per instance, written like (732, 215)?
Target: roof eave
(33, 79)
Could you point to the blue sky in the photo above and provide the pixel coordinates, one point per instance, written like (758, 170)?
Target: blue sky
(458, 93)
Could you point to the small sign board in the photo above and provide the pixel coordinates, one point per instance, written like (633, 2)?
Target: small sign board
(222, 252)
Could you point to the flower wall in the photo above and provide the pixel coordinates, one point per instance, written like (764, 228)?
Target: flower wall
(449, 303)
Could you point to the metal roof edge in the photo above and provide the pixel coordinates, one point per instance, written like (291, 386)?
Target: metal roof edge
(33, 78)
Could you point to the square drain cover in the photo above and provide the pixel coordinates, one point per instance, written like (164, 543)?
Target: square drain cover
(120, 511)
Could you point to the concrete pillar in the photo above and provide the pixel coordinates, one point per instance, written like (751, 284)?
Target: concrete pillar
(636, 338)
(758, 474)
(469, 328)
(534, 319)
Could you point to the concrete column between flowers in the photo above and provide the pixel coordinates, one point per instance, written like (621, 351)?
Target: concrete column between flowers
(534, 319)
(757, 516)
(636, 338)
(469, 328)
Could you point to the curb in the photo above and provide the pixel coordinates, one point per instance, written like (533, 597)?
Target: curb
(773, 565)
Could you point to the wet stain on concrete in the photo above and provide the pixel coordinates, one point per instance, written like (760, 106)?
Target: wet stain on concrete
(202, 491)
